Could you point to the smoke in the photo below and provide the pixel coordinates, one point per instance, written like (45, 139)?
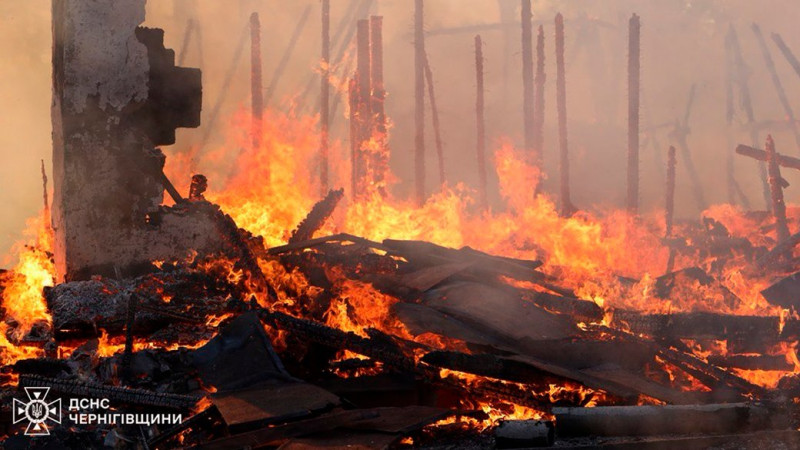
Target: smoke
(682, 45)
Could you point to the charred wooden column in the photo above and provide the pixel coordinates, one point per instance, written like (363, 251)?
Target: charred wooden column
(419, 102)
(539, 81)
(325, 95)
(364, 106)
(527, 82)
(380, 153)
(437, 132)
(355, 138)
(776, 191)
(561, 100)
(116, 95)
(669, 204)
(481, 125)
(633, 114)
(256, 90)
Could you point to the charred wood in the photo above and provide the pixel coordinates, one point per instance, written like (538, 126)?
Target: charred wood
(316, 218)
(664, 420)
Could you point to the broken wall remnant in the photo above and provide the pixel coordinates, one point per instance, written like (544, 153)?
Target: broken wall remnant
(116, 96)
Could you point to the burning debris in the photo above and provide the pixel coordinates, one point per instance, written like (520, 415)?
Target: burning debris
(255, 316)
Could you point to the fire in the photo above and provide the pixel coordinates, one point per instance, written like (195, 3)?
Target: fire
(22, 287)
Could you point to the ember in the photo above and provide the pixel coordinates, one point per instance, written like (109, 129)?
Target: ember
(298, 294)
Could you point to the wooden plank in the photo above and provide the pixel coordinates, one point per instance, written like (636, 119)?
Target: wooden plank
(273, 403)
(498, 312)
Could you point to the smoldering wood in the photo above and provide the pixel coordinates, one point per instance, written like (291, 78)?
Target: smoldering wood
(785, 293)
(316, 218)
(776, 82)
(633, 113)
(701, 325)
(761, 155)
(666, 420)
(364, 113)
(355, 133)
(752, 362)
(380, 159)
(480, 126)
(669, 209)
(776, 191)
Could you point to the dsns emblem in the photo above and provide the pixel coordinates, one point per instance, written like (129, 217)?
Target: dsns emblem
(37, 411)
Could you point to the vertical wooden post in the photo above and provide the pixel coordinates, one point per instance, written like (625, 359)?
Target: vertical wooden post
(669, 206)
(325, 94)
(355, 138)
(45, 197)
(256, 93)
(561, 104)
(437, 132)
(481, 124)
(419, 102)
(380, 160)
(527, 83)
(633, 114)
(364, 110)
(539, 81)
(776, 191)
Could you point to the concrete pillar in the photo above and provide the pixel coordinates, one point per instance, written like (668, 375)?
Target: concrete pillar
(116, 96)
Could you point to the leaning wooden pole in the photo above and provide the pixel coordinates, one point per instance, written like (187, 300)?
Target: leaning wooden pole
(787, 53)
(256, 92)
(280, 69)
(527, 82)
(741, 73)
(776, 82)
(776, 191)
(380, 157)
(539, 82)
(437, 132)
(561, 105)
(419, 103)
(633, 114)
(669, 206)
(481, 124)
(325, 94)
